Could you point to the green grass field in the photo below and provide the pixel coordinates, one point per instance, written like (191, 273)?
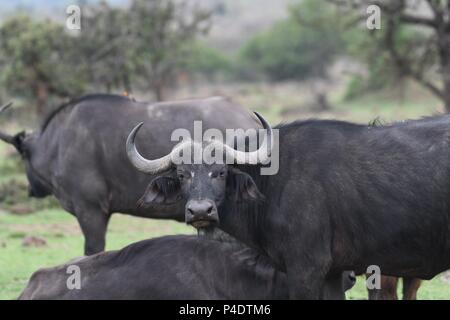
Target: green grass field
(63, 237)
(64, 242)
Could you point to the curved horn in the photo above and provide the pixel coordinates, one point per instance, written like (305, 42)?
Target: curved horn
(139, 162)
(5, 106)
(3, 136)
(262, 155)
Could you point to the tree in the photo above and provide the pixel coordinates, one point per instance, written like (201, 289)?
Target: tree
(144, 45)
(419, 56)
(36, 60)
(162, 31)
(105, 47)
(300, 47)
(207, 61)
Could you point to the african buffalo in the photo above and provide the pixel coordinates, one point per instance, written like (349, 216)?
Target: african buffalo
(171, 267)
(346, 196)
(78, 154)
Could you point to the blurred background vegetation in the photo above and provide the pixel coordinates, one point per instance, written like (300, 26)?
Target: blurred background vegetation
(289, 59)
(319, 54)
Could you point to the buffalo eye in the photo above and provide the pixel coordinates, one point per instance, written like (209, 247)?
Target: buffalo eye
(183, 175)
(218, 174)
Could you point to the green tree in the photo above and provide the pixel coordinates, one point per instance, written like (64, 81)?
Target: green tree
(36, 60)
(414, 40)
(105, 48)
(144, 45)
(162, 31)
(382, 72)
(208, 61)
(299, 47)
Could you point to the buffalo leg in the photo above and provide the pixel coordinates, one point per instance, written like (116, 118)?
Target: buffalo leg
(306, 251)
(333, 288)
(388, 289)
(304, 287)
(93, 224)
(307, 278)
(410, 288)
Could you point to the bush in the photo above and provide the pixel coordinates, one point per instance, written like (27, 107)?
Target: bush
(208, 61)
(302, 46)
(368, 47)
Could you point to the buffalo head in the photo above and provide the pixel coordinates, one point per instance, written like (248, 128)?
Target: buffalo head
(25, 145)
(204, 187)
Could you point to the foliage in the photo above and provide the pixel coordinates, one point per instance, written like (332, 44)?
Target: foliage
(144, 45)
(208, 61)
(365, 46)
(299, 47)
(427, 48)
(161, 31)
(104, 47)
(36, 60)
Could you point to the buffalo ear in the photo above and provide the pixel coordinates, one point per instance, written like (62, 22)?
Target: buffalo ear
(161, 190)
(242, 186)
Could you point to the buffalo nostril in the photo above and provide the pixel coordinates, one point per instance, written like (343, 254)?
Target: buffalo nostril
(209, 211)
(190, 211)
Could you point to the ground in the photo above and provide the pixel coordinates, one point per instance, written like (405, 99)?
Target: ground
(64, 241)
(21, 255)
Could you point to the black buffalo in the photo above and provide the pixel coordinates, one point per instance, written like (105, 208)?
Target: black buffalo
(171, 267)
(78, 154)
(346, 196)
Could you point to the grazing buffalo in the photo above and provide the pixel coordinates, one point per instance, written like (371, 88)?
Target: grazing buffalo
(171, 267)
(78, 154)
(346, 196)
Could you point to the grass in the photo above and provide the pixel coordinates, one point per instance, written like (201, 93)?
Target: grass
(435, 289)
(64, 240)
(291, 101)
(58, 228)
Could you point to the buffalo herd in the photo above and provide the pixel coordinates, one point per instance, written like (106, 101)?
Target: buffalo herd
(345, 197)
